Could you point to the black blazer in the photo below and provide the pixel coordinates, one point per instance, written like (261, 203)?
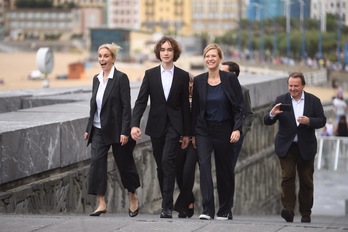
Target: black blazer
(233, 91)
(177, 106)
(115, 114)
(288, 128)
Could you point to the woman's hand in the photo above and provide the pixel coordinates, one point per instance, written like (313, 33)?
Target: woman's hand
(123, 140)
(235, 136)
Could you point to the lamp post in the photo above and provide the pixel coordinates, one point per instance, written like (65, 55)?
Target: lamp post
(259, 18)
(287, 13)
(339, 33)
(239, 26)
(303, 47)
(320, 30)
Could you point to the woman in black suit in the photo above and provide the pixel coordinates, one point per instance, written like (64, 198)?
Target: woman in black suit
(109, 125)
(217, 107)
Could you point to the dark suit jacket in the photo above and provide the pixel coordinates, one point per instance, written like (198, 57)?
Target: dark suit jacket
(116, 109)
(233, 91)
(177, 106)
(248, 115)
(288, 128)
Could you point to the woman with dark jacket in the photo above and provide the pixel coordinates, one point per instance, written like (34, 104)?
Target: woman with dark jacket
(217, 110)
(109, 125)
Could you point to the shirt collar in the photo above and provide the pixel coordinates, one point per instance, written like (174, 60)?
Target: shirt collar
(170, 70)
(110, 76)
(302, 97)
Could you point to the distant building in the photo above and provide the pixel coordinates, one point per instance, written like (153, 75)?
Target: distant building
(216, 17)
(265, 9)
(320, 8)
(170, 16)
(135, 44)
(123, 14)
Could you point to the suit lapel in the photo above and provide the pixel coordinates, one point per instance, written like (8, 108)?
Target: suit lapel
(158, 82)
(306, 102)
(203, 89)
(109, 87)
(175, 82)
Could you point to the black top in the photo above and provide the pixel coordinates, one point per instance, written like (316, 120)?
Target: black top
(217, 104)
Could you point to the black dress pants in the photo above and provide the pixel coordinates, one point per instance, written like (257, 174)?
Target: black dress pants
(123, 156)
(217, 139)
(164, 151)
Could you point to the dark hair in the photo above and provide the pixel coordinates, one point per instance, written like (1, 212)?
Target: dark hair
(297, 75)
(232, 67)
(175, 45)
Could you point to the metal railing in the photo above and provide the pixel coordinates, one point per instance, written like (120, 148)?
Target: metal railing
(332, 147)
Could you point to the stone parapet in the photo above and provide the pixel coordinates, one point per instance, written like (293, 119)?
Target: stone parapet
(44, 159)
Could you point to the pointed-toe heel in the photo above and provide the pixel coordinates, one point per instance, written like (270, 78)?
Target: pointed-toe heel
(97, 213)
(133, 213)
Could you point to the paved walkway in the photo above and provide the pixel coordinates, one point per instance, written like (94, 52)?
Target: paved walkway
(331, 192)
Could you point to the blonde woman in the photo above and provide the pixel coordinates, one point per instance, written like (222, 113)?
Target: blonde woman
(109, 125)
(217, 106)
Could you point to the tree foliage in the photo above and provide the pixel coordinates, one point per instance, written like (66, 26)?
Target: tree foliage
(275, 33)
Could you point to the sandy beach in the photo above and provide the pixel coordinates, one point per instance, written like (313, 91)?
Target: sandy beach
(16, 66)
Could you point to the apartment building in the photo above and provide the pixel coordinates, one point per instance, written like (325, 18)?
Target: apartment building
(216, 17)
(319, 9)
(166, 16)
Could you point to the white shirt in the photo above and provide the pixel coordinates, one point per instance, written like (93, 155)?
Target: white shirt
(100, 95)
(298, 107)
(167, 79)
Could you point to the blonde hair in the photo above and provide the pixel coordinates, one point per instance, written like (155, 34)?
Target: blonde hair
(211, 47)
(113, 48)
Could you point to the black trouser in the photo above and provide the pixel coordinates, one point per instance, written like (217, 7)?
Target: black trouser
(123, 156)
(237, 148)
(186, 161)
(217, 139)
(164, 151)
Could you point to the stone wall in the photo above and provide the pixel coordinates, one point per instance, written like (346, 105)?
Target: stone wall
(44, 161)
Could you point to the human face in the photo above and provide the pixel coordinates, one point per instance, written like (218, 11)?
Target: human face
(212, 59)
(295, 87)
(167, 53)
(224, 68)
(105, 59)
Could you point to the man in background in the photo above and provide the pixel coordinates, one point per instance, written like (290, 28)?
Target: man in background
(248, 117)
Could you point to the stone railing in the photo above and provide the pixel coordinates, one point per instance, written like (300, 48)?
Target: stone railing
(45, 162)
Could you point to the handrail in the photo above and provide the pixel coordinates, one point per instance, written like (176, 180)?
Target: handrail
(338, 140)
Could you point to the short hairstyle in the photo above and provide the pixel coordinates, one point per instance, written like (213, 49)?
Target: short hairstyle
(173, 42)
(213, 46)
(232, 67)
(113, 48)
(297, 75)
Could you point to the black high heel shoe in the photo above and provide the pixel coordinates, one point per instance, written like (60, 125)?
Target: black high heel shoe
(190, 212)
(97, 213)
(133, 213)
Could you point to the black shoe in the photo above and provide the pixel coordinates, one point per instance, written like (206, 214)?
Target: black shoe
(222, 216)
(287, 215)
(97, 213)
(134, 213)
(306, 219)
(182, 215)
(230, 216)
(190, 212)
(166, 213)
